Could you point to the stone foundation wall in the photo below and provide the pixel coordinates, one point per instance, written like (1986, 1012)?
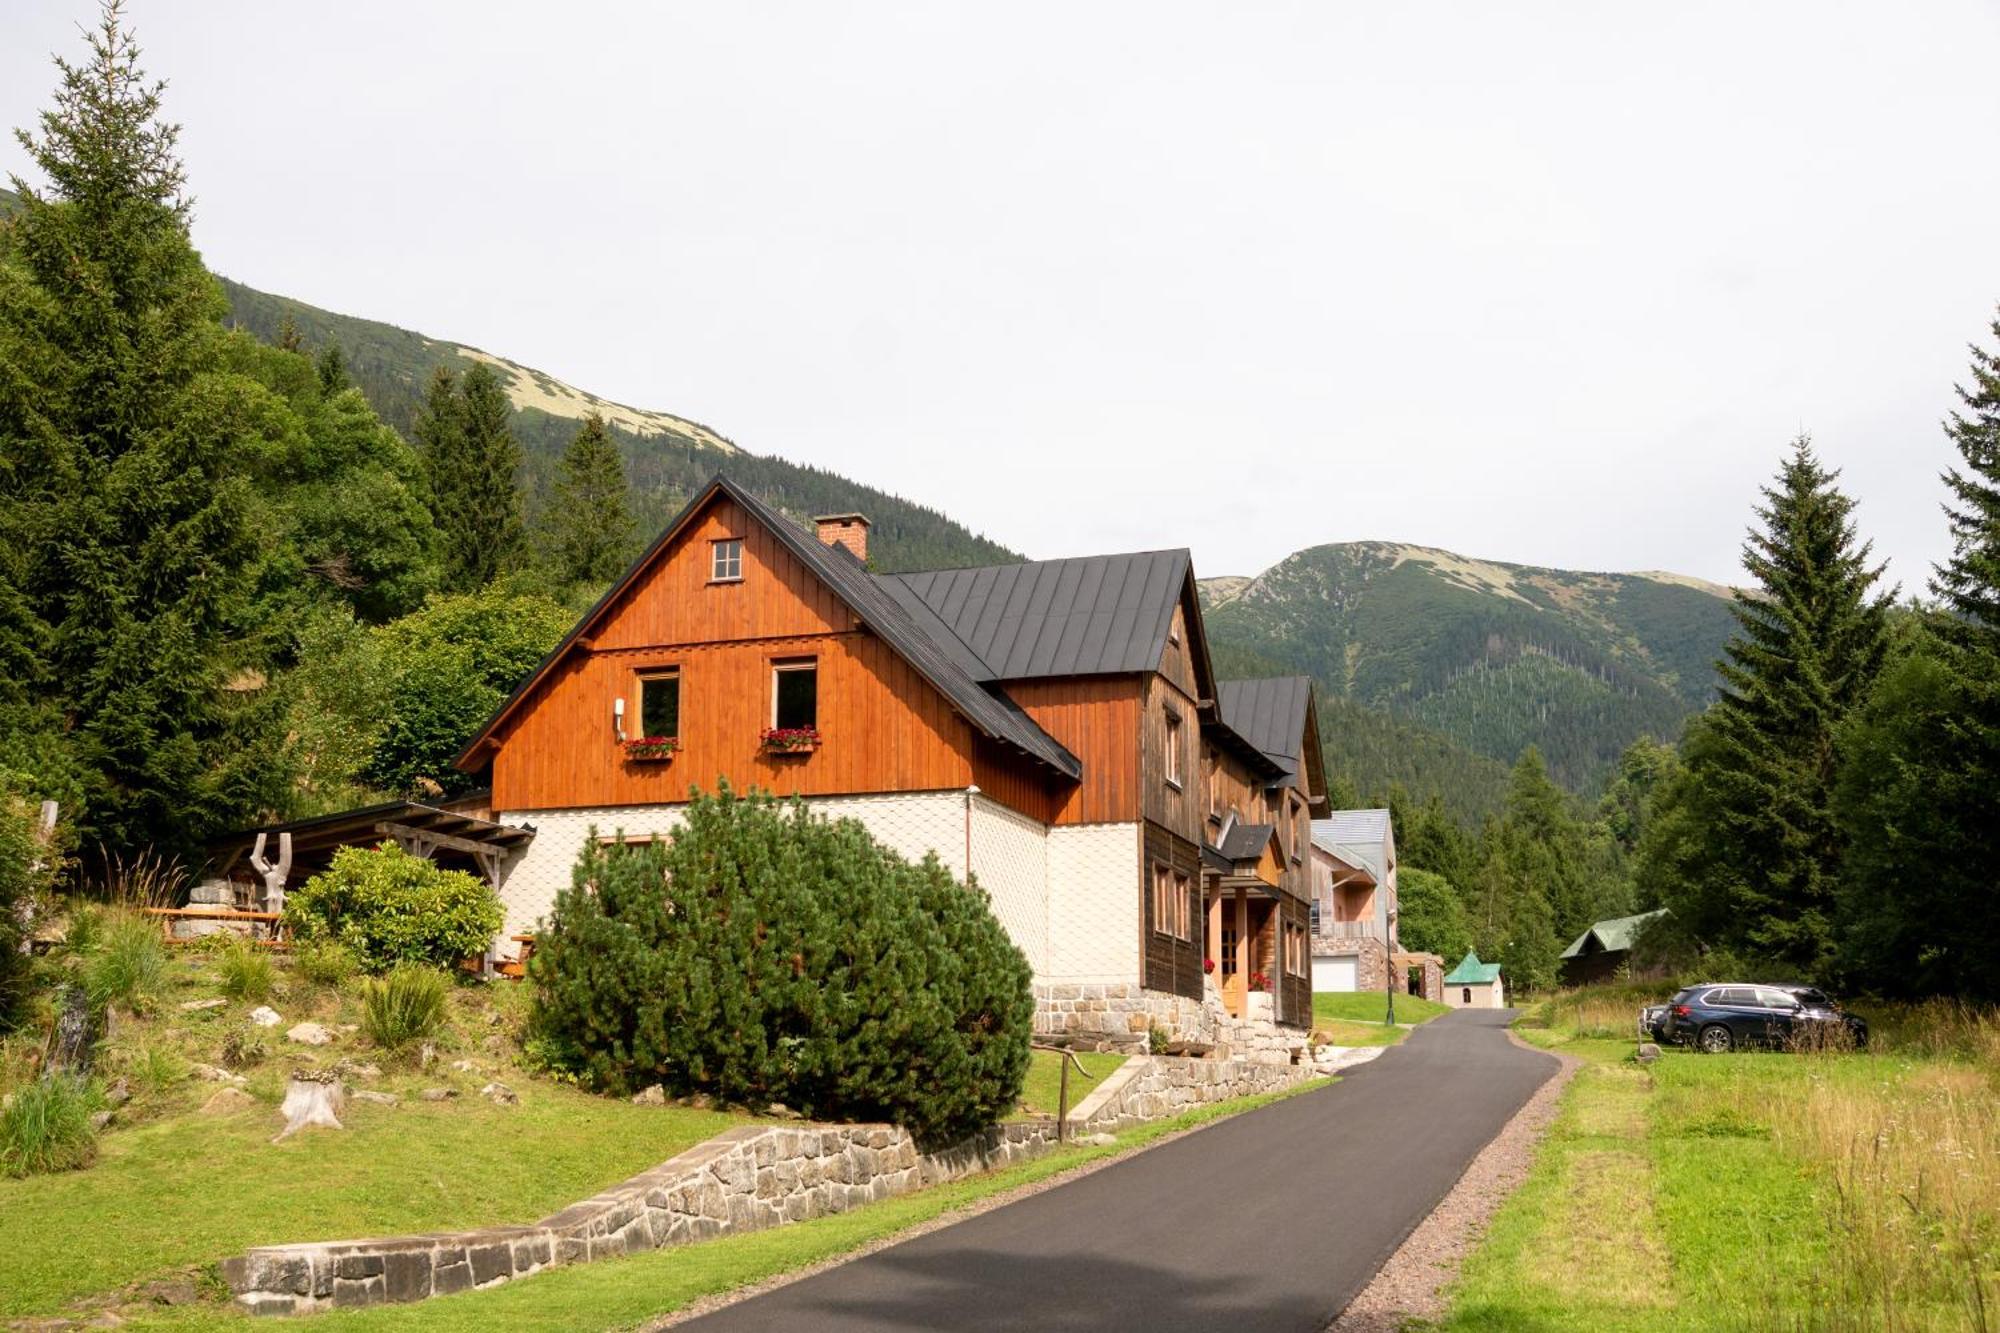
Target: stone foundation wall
(744, 1179)
(1147, 1087)
(1114, 1017)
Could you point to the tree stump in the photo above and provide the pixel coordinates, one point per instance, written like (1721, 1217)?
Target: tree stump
(313, 1097)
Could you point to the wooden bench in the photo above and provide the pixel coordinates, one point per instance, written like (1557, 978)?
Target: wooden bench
(275, 935)
(517, 966)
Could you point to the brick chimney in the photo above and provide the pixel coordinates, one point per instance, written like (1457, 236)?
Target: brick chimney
(849, 530)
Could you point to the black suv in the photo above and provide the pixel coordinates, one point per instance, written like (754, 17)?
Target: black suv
(1727, 1016)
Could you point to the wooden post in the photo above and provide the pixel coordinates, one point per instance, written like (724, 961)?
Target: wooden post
(1062, 1106)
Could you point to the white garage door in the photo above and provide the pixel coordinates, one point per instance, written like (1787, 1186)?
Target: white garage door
(1335, 972)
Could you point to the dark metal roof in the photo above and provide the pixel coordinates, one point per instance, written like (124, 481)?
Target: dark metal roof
(1270, 714)
(1086, 616)
(1245, 842)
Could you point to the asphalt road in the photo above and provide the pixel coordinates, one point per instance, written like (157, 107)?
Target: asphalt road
(1274, 1219)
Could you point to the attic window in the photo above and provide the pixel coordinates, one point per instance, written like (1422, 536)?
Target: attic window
(726, 564)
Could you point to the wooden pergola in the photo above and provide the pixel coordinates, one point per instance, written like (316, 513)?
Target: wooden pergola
(303, 847)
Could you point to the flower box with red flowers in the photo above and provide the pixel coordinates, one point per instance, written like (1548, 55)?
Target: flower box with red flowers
(791, 740)
(1259, 981)
(651, 749)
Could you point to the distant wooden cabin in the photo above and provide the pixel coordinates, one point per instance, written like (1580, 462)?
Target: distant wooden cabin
(1054, 728)
(1604, 951)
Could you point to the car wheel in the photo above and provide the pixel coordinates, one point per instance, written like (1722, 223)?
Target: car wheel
(1717, 1039)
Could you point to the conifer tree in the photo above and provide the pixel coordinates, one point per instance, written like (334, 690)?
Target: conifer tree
(332, 368)
(1756, 848)
(124, 495)
(288, 336)
(589, 528)
(473, 467)
(1919, 794)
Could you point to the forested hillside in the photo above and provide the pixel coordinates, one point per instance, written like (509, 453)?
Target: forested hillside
(666, 457)
(1472, 661)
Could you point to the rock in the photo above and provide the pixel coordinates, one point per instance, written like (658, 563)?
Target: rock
(364, 1071)
(196, 1006)
(228, 1101)
(118, 1093)
(439, 1094)
(427, 1055)
(653, 1096)
(99, 1120)
(264, 1016)
(1098, 1140)
(782, 1111)
(1647, 1053)
(106, 1319)
(699, 1101)
(213, 1074)
(465, 1066)
(310, 1034)
(499, 1094)
(350, 1027)
(169, 1291)
(494, 1044)
(378, 1098)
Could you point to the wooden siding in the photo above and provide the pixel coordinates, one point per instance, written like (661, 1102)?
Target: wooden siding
(1097, 718)
(1294, 994)
(884, 727)
(1177, 807)
(1169, 963)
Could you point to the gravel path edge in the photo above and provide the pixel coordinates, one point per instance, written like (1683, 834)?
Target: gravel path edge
(1411, 1284)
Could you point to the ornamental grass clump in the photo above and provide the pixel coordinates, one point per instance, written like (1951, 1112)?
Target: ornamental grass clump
(405, 1006)
(386, 907)
(245, 970)
(125, 962)
(45, 1126)
(765, 954)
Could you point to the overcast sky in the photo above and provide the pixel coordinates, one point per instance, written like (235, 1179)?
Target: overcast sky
(1553, 284)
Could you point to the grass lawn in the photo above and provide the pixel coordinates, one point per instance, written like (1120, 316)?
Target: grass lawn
(1341, 1032)
(1371, 1007)
(1757, 1190)
(622, 1293)
(191, 1189)
(1043, 1088)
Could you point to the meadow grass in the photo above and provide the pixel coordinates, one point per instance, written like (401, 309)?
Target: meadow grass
(1756, 1190)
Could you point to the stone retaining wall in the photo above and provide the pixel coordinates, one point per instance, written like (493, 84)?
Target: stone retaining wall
(1148, 1087)
(1118, 1017)
(744, 1179)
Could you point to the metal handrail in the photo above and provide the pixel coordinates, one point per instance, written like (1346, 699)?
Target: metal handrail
(1062, 1094)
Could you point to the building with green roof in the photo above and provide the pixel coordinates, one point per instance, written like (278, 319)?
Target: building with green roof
(1605, 949)
(1475, 985)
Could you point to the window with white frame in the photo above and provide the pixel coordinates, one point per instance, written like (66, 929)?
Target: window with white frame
(795, 694)
(725, 560)
(1174, 758)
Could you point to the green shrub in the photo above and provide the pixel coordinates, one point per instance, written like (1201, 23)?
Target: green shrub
(46, 1126)
(25, 867)
(246, 970)
(325, 963)
(793, 959)
(126, 963)
(405, 1006)
(388, 907)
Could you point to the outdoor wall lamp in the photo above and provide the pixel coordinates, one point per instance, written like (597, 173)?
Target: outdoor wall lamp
(618, 716)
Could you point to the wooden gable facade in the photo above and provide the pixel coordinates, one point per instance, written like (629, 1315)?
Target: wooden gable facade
(883, 726)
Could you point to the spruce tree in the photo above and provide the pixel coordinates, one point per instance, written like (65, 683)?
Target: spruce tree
(123, 491)
(589, 529)
(332, 368)
(1758, 875)
(473, 467)
(1920, 785)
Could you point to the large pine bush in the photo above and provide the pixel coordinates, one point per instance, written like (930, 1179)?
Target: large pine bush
(767, 954)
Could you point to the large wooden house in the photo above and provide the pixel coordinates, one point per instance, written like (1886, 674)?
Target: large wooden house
(1053, 728)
